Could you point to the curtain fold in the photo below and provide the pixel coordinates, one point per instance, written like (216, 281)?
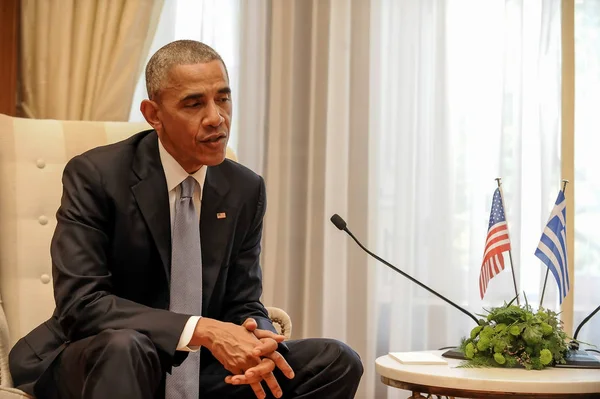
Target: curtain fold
(252, 96)
(80, 59)
(316, 165)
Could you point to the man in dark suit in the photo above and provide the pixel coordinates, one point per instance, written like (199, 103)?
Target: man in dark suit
(140, 286)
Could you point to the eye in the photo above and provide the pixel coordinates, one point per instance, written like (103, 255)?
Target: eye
(192, 105)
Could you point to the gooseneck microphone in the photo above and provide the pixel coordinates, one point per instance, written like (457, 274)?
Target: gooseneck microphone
(574, 343)
(341, 224)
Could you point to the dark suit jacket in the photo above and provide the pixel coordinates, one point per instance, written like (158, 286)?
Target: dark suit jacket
(111, 254)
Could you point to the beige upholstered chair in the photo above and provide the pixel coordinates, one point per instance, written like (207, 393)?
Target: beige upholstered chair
(33, 154)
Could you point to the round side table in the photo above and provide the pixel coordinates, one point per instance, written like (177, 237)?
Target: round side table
(448, 380)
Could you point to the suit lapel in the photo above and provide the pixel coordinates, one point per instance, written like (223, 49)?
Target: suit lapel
(215, 232)
(152, 197)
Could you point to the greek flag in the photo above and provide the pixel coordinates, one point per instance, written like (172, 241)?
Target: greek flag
(552, 249)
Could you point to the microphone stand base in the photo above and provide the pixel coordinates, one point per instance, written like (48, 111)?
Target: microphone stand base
(454, 354)
(578, 359)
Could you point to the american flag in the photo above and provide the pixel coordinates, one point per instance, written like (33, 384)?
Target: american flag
(552, 249)
(496, 243)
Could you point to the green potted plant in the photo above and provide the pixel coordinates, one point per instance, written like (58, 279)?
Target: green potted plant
(516, 336)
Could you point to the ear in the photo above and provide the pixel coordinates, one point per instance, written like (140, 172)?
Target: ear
(149, 109)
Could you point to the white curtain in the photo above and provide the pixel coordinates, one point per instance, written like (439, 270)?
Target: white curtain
(587, 164)
(466, 91)
(318, 164)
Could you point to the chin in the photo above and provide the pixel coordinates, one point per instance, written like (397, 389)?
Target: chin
(214, 160)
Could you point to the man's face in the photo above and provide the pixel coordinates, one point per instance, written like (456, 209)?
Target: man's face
(193, 114)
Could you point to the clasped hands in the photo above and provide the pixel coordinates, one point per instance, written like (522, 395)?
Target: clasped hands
(249, 353)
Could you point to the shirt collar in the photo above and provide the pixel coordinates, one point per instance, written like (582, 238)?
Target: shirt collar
(174, 173)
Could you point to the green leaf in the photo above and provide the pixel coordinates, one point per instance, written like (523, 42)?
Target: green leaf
(475, 331)
(545, 356)
(532, 335)
(515, 330)
(499, 358)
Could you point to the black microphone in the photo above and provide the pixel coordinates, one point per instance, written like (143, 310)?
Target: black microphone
(574, 344)
(341, 224)
(577, 358)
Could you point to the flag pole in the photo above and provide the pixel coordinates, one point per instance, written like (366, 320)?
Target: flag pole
(548, 269)
(512, 265)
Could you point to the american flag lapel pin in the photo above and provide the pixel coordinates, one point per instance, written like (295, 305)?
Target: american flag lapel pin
(221, 215)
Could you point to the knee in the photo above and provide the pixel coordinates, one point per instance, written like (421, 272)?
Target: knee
(129, 343)
(131, 354)
(347, 360)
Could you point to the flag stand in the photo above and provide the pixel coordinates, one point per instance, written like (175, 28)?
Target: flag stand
(512, 265)
(548, 269)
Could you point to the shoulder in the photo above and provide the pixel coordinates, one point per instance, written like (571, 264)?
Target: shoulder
(125, 148)
(238, 173)
(115, 156)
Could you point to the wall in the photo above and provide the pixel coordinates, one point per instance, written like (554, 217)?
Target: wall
(9, 28)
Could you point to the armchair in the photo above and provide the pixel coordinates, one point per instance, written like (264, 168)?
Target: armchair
(33, 154)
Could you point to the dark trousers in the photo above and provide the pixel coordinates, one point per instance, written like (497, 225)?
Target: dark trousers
(119, 364)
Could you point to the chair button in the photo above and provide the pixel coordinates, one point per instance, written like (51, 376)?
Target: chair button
(45, 278)
(40, 163)
(43, 220)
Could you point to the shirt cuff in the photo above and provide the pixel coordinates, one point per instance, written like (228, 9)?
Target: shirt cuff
(186, 335)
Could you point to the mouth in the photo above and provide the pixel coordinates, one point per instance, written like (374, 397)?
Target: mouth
(214, 138)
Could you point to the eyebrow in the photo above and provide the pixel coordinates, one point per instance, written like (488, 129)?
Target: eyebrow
(195, 96)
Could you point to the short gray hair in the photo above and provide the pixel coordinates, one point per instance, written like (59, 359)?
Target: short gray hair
(180, 52)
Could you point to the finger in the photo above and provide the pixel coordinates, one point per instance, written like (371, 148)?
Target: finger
(268, 334)
(253, 374)
(269, 378)
(237, 379)
(250, 324)
(234, 373)
(243, 380)
(258, 390)
(265, 347)
(266, 366)
(282, 364)
(273, 385)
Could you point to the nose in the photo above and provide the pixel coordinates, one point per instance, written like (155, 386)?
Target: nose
(213, 117)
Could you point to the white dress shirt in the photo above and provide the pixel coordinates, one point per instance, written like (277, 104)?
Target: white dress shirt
(174, 175)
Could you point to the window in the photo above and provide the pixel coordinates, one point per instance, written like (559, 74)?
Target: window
(587, 168)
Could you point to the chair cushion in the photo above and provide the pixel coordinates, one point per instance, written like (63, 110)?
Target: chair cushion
(11, 393)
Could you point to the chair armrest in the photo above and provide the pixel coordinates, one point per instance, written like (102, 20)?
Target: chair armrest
(5, 379)
(281, 320)
(12, 393)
